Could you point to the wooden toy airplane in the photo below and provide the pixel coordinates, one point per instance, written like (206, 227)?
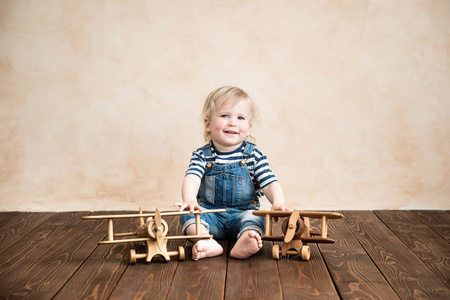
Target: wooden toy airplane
(297, 231)
(153, 232)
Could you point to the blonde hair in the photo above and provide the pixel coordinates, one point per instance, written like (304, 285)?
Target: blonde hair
(226, 95)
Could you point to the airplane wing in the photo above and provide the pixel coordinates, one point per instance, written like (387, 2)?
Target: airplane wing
(308, 214)
(146, 215)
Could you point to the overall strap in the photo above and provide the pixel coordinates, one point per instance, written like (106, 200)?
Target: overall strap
(248, 149)
(209, 155)
(207, 150)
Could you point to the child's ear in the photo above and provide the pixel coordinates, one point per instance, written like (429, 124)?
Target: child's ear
(207, 123)
(250, 128)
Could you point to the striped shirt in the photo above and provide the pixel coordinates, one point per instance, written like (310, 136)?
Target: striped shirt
(256, 163)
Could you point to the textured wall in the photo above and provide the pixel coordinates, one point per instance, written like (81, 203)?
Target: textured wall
(100, 100)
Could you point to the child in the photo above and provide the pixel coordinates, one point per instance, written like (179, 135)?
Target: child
(228, 172)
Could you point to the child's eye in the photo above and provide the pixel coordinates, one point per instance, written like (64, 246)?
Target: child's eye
(224, 116)
(241, 118)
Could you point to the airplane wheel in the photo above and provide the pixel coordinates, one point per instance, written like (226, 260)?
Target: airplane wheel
(133, 256)
(181, 255)
(305, 253)
(276, 251)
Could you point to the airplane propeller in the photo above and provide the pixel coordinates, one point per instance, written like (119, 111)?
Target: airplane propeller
(291, 226)
(159, 229)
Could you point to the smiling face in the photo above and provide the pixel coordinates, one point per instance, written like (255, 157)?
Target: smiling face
(230, 125)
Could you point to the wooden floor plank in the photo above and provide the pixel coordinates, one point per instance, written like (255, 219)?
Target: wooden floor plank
(23, 254)
(204, 279)
(20, 226)
(150, 280)
(99, 274)
(407, 275)
(438, 220)
(51, 271)
(56, 256)
(431, 248)
(5, 216)
(352, 270)
(303, 279)
(255, 277)
(306, 279)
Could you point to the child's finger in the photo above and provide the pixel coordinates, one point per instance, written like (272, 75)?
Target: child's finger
(178, 205)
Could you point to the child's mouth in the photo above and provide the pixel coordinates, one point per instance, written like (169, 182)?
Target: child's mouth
(230, 132)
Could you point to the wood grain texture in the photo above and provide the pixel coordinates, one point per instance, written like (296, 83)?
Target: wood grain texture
(99, 274)
(58, 264)
(150, 280)
(22, 255)
(427, 245)
(56, 257)
(306, 279)
(6, 216)
(255, 277)
(407, 275)
(439, 221)
(351, 269)
(204, 279)
(18, 227)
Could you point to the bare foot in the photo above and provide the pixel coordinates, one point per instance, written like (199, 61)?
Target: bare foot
(248, 244)
(206, 248)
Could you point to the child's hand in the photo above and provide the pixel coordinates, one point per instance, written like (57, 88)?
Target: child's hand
(190, 205)
(281, 207)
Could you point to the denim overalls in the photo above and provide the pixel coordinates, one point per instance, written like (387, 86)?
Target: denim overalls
(227, 186)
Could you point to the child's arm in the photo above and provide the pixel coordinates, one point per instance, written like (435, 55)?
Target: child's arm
(275, 195)
(189, 190)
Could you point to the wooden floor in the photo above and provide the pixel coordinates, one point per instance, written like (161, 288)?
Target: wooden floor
(377, 255)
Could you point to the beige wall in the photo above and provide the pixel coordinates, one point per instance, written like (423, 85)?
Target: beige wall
(100, 100)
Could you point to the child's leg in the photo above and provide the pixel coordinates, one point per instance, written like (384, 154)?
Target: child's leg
(248, 244)
(204, 248)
